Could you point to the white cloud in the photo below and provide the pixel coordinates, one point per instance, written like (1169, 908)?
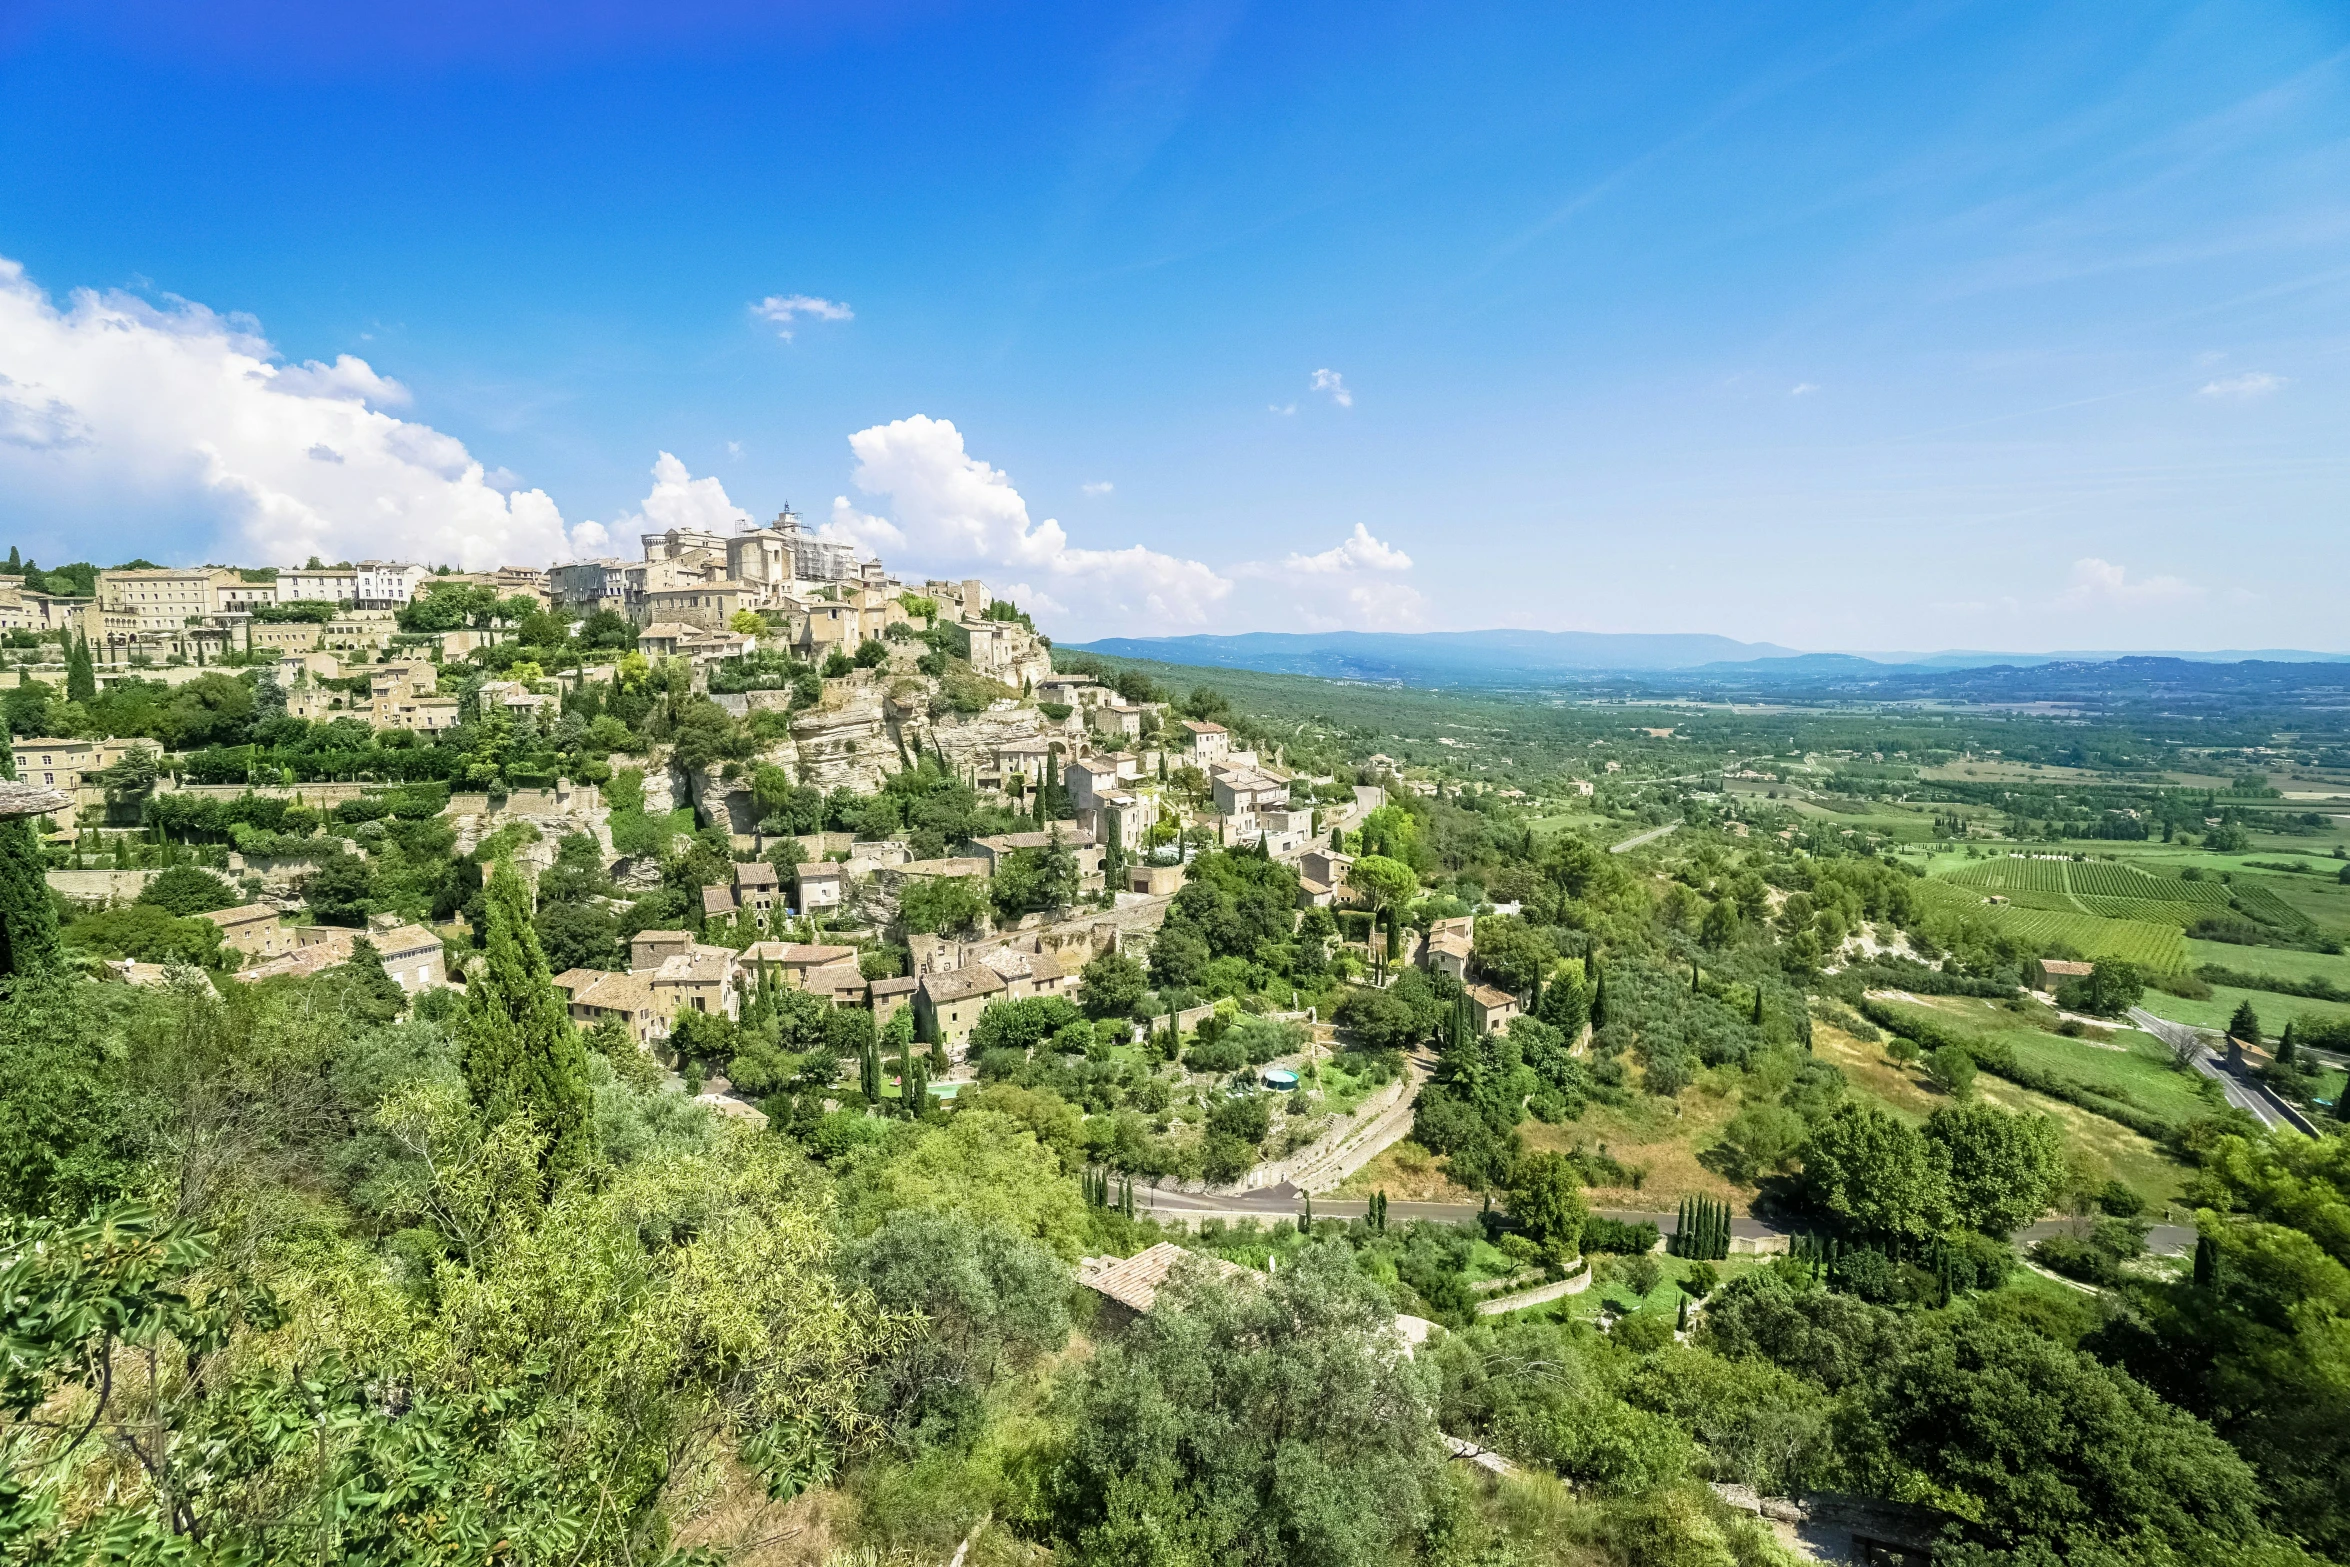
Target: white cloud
(2101, 583)
(1803, 388)
(952, 513)
(1357, 584)
(1335, 384)
(2244, 388)
(785, 310)
(734, 449)
(148, 416)
(676, 500)
(1284, 409)
(1098, 488)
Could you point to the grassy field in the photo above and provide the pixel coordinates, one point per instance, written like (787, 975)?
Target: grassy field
(1406, 1172)
(2272, 1008)
(2105, 1146)
(2280, 962)
(1661, 1136)
(2130, 1067)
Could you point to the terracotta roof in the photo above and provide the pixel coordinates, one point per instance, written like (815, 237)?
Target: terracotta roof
(901, 985)
(957, 984)
(2065, 966)
(717, 901)
(1451, 941)
(1198, 728)
(243, 914)
(613, 992)
(405, 941)
(697, 964)
(1135, 1282)
(1489, 998)
(755, 873)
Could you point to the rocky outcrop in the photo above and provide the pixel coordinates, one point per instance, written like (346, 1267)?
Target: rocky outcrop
(846, 741)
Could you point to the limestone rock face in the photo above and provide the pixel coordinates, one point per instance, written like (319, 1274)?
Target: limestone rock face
(846, 741)
(969, 743)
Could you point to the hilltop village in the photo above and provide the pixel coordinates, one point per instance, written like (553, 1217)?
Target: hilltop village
(763, 700)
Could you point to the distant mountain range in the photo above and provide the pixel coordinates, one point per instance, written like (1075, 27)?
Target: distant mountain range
(1491, 658)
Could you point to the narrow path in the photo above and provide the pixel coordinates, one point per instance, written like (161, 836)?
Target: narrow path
(1638, 839)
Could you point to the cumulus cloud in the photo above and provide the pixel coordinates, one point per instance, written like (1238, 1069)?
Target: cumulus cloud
(2102, 583)
(1283, 409)
(2243, 388)
(151, 415)
(785, 310)
(1335, 384)
(1803, 388)
(676, 500)
(1098, 488)
(1357, 584)
(949, 513)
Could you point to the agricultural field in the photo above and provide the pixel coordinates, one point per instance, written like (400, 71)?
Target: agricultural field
(2157, 948)
(2129, 1067)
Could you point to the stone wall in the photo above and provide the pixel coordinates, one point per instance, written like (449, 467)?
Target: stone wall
(100, 887)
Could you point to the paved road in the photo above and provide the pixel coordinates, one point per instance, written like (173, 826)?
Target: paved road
(1637, 839)
(2245, 1095)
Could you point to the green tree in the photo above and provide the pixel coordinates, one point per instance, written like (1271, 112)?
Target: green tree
(1113, 986)
(340, 890)
(1546, 1200)
(1384, 884)
(1953, 1070)
(941, 905)
(81, 676)
(2004, 1169)
(519, 1052)
(1262, 1422)
(188, 889)
(2244, 1024)
(2040, 1444)
(1879, 1173)
(365, 968)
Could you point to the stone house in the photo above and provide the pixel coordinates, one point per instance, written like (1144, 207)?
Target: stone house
(947, 1004)
(253, 929)
(805, 965)
(822, 886)
(595, 995)
(1490, 1010)
(757, 887)
(1081, 846)
(1201, 743)
(890, 997)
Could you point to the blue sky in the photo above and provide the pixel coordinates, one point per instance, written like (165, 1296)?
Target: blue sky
(1962, 325)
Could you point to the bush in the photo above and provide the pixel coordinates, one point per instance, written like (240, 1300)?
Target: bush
(183, 890)
(1222, 1054)
(1869, 1274)
(1614, 1235)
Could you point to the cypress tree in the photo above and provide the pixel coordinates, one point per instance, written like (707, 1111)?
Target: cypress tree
(2287, 1046)
(2206, 1261)
(81, 678)
(519, 1052)
(1758, 1005)
(1681, 1319)
(1598, 993)
(28, 920)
